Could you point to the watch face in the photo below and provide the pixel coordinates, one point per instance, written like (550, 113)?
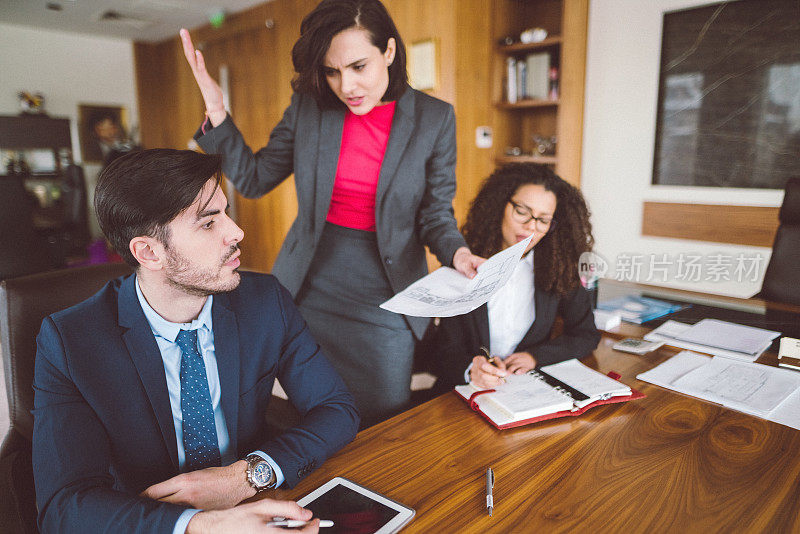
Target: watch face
(262, 473)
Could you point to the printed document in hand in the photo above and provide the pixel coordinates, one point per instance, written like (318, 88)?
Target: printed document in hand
(446, 292)
(767, 392)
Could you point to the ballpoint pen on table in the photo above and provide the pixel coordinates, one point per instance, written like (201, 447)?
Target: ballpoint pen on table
(489, 486)
(296, 523)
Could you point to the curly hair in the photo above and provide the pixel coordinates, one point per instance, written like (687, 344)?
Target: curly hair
(557, 254)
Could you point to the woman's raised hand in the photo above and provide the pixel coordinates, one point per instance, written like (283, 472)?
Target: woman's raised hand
(210, 89)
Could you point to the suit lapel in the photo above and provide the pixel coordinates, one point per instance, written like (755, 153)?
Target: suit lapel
(330, 144)
(402, 128)
(482, 323)
(146, 357)
(226, 348)
(545, 306)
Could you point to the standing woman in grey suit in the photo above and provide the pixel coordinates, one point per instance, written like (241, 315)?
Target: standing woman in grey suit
(374, 166)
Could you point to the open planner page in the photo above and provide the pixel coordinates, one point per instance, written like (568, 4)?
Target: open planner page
(586, 380)
(525, 396)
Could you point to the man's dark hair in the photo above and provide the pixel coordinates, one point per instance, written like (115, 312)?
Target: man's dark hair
(318, 29)
(139, 193)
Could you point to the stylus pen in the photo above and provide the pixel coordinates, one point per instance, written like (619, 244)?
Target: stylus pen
(296, 523)
(489, 486)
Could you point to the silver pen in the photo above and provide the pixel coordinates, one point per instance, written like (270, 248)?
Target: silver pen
(297, 523)
(489, 486)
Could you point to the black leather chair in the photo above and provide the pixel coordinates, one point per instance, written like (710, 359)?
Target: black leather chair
(24, 302)
(782, 277)
(24, 251)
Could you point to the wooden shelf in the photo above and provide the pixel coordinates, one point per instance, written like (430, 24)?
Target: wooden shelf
(528, 103)
(544, 160)
(518, 48)
(517, 124)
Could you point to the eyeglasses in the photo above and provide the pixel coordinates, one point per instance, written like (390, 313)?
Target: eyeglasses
(523, 215)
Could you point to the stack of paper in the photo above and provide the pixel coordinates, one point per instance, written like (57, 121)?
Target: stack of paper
(767, 392)
(636, 309)
(719, 338)
(446, 292)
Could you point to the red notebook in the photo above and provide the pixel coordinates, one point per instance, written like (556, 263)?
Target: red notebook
(560, 390)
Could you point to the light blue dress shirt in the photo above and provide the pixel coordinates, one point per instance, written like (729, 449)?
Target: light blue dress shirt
(165, 333)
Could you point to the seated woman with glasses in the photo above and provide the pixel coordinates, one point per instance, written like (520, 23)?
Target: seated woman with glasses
(514, 328)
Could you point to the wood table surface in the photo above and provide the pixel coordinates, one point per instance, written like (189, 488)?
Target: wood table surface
(665, 463)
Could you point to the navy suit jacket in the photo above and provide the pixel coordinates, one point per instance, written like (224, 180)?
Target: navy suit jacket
(103, 429)
(459, 339)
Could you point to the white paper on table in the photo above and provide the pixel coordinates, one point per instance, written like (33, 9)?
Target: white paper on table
(668, 331)
(788, 412)
(728, 336)
(668, 375)
(446, 292)
(747, 387)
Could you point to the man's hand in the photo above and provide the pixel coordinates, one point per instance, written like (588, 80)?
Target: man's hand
(486, 375)
(214, 488)
(251, 517)
(210, 89)
(466, 262)
(520, 362)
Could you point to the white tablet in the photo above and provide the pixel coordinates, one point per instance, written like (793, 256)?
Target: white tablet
(354, 508)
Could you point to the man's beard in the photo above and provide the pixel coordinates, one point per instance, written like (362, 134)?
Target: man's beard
(181, 274)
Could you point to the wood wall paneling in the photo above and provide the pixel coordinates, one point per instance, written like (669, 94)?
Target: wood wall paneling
(739, 225)
(572, 75)
(259, 62)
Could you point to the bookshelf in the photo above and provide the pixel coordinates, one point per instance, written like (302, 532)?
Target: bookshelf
(548, 115)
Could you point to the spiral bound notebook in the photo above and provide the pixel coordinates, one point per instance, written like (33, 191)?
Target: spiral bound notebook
(560, 390)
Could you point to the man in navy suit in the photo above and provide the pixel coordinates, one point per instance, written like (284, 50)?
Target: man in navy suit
(150, 396)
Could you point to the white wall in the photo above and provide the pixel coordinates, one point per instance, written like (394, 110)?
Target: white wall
(68, 69)
(623, 56)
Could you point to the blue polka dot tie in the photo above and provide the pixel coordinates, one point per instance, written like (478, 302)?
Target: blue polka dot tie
(199, 432)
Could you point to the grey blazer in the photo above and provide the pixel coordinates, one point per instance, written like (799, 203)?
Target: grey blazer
(413, 204)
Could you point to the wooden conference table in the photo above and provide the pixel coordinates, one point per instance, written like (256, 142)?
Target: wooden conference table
(665, 463)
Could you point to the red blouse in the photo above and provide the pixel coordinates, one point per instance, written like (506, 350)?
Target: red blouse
(364, 140)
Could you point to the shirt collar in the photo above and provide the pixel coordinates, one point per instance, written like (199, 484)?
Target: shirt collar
(527, 259)
(167, 329)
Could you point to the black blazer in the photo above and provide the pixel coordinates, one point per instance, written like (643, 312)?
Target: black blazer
(459, 339)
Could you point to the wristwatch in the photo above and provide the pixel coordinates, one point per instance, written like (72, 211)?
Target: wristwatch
(260, 474)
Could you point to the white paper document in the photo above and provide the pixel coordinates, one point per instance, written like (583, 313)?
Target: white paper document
(747, 387)
(767, 392)
(728, 336)
(586, 380)
(446, 292)
(524, 398)
(671, 331)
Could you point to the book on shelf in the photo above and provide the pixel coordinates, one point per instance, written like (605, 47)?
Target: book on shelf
(538, 75)
(563, 389)
(638, 309)
(511, 80)
(553, 95)
(522, 75)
